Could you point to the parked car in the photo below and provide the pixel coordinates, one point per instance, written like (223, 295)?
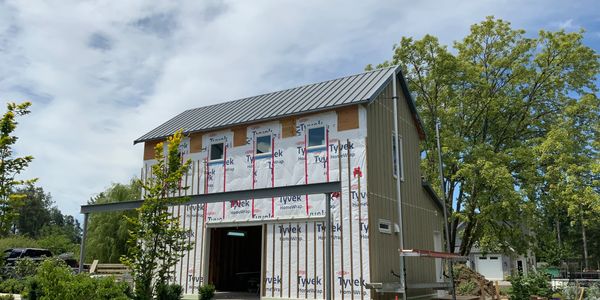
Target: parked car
(14, 254)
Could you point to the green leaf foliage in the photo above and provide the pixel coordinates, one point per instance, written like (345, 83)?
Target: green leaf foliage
(519, 117)
(206, 292)
(532, 284)
(157, 240)
(108, 232)
(11, 167)
(55, 280)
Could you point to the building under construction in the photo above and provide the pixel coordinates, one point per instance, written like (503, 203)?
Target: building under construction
(362, 130)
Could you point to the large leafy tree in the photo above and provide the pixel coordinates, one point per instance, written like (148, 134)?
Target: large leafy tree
(499, 96)
(39, 219)
(10, 166)
(157, 240)
(34, 211)
(568, 159)
(108, 232)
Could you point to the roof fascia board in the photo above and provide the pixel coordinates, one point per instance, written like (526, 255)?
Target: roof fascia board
(432, 195)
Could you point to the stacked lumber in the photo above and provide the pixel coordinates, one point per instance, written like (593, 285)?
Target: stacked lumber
(116, 270)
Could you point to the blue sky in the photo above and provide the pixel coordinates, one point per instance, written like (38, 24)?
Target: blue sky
(102, 73)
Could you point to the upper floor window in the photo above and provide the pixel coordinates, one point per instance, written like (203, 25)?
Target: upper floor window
(316, 136)
(263, 144)
(216, 151)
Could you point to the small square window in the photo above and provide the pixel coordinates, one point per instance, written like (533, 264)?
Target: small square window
(316, 136)
(263, 144)
(385, 226)
(216, 151)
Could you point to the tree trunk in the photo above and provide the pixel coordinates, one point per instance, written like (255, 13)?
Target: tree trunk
(558, 233)
(585, 250)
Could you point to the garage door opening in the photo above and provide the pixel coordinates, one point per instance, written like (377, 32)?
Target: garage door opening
(235, 258)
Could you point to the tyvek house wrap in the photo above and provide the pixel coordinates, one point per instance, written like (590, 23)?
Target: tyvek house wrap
(294, 252)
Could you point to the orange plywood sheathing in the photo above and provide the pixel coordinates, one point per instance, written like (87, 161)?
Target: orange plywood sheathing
(347, 118)
(239, 136)
(195, 142)
(288, 127)
(149, 149)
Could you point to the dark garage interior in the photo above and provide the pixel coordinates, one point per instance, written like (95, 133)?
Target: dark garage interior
(235, 258)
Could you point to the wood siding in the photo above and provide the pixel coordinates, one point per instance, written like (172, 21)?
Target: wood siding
(420, 216)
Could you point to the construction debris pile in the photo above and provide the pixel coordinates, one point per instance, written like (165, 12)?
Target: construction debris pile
(469, 282)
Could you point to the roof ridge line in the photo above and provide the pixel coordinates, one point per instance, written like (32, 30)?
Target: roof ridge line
(291, 88)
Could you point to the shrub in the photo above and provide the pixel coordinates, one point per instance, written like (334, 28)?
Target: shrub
(24, 268)
(7, 297)
(18, 242)
(12, 286)
(55, 280)
(466, 288)
(206, 292)
(58, 243)
(570, 293)
(169, 292)
(525, 286)
(593, 292)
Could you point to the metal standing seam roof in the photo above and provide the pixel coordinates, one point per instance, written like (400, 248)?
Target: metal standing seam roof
(344, 91)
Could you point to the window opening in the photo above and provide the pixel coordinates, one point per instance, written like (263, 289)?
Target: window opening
(263, 144)
(316, 137)
(216, 151)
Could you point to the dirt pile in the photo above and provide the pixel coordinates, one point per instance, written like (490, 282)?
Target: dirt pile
(469, 282)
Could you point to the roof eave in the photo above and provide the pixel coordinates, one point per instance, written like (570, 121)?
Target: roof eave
(411, 104)
(432, 194)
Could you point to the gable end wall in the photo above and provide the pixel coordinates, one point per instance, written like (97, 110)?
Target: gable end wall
(421, 216)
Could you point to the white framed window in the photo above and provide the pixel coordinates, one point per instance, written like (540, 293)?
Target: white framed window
(394, 158)
(216, 151)
(263, 144)
(316, 137)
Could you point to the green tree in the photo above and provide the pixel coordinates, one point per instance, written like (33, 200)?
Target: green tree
(157, 241)
(569, 184)
(108, 232)
(11, 167)
(34, 211)
(498, 96)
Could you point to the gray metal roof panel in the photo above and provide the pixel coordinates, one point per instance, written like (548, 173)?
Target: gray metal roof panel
(344, 91)
(338, 88)
(343, 94)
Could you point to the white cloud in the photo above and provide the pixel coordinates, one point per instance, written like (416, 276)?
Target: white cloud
(101, 74)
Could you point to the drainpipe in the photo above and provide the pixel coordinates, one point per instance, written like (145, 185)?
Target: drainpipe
(399, 200)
